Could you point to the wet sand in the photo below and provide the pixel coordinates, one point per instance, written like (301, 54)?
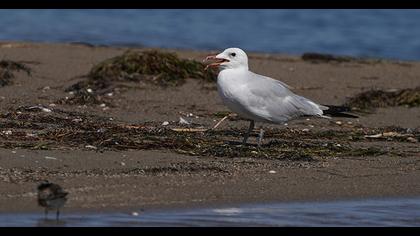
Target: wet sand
(135, 177)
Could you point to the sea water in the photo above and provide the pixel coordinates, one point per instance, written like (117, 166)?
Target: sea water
(367, 33)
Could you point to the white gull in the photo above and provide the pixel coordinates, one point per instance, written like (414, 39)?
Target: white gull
(259, 98)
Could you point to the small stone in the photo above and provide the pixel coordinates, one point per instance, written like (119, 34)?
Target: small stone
(411, 139)
(77, 120)
(305, 130)
(165, 123)
(311, 126)
(52, 105)
(14, 152)
(254, 152)
(89, 90)
(134, 213)
(103, 105)
(122, 163)
(46, 109)
(339, 122)
(7, 132)
(109, 94)
(272, 172)
(50, 158)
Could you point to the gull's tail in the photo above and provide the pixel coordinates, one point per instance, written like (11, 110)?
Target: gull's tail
(338, 111)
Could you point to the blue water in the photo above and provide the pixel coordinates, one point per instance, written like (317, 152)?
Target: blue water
(372, 33)
(373, 212)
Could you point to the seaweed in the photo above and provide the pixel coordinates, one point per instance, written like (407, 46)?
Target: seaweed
(7, 69)
(152, 66)
(377, 98)
(37, 128)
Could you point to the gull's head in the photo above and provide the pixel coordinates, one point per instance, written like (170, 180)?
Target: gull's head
(231, 58)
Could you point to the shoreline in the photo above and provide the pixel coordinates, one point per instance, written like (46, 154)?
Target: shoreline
(169, 177)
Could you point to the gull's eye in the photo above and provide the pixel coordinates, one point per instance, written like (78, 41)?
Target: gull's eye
(233, 54)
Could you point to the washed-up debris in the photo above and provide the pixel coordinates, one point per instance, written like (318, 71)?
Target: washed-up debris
(7, 69)
(40, 108)
(378, 98)
(387, 135)
(91, 147)
(183, 121)
(189, 129)
(58, 131)
(134, 67)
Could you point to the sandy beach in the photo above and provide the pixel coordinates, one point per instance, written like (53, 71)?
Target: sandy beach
(117, 155)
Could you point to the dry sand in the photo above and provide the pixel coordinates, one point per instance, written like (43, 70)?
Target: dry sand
(133, 178)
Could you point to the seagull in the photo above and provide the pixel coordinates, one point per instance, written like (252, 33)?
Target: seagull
(259, 98)
(51, 196)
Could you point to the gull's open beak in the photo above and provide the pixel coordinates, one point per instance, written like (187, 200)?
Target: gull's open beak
(217, 60)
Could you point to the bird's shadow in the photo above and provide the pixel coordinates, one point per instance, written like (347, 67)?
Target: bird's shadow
(42, 222)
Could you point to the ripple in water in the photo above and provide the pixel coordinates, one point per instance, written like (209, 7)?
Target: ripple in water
(390, 212)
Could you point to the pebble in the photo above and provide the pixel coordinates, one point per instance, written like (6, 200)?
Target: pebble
(50, 158)
(165, 123)
(305, 130)
(77, 120)
(272, 172)
(411, 139)
(134, 213)
(103, 105)
(339, 122)
(122, 163)
(7, 132)
(89, 90)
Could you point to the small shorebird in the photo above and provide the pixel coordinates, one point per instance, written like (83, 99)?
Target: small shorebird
(51, 196)
(259, 98)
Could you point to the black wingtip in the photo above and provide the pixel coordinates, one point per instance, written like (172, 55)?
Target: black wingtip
(338, 111)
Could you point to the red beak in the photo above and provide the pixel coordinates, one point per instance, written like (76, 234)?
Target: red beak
(217, 62)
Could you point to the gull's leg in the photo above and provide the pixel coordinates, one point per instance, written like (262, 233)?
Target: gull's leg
(251, 127)
(58, 213)
(46, 213)
(260, 137)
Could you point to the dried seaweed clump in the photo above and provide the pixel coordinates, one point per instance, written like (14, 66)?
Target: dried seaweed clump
(314, 57)
(7, 68)
(377, 98)
(160, 68)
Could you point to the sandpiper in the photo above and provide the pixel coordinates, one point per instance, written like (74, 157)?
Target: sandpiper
(51, 196)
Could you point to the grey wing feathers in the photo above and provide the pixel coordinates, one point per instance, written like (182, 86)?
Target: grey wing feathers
(279, 103)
